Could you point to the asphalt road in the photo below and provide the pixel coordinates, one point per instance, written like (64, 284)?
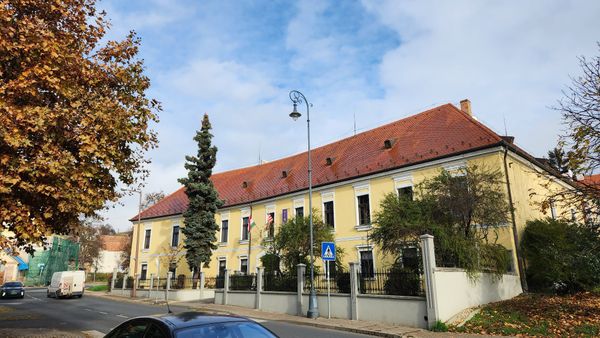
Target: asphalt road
(101, 314)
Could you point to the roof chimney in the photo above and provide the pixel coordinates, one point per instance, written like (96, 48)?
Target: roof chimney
(465, 106)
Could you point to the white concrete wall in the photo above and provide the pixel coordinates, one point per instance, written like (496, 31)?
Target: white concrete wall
(108, 261)
(407, 311)
(279, 302)
(242, 298)
(456, 292)
(219, 296)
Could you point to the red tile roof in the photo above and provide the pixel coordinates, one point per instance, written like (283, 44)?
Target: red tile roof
(114, 242)
(439, 132)
(592, 181)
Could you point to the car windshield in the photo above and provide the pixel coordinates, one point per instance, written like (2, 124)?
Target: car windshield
(12, 284)
(225, 330)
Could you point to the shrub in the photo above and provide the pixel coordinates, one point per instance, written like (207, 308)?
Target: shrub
(403, 282)
(561, 257)
(342, 279)
(439, 326)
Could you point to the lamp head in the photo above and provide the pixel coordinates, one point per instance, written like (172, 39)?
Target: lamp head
(295, 114)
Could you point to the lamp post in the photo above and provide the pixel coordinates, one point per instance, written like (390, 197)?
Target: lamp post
(137, 240)
(297, 98)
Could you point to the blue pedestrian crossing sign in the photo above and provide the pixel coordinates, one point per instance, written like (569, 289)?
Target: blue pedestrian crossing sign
(328, 251)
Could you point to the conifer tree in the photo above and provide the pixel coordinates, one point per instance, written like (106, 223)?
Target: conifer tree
(199, 218)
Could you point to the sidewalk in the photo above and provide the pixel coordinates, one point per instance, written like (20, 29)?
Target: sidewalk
(356, 326)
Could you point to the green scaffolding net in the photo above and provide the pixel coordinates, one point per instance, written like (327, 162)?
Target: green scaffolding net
(62, 255)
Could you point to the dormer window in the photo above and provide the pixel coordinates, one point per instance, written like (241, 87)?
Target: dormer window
(245, 184)
(284, 174)
(387, 144)
(329, 161)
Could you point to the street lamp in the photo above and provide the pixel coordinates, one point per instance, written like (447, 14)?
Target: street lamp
(297, 98)
(137, 240)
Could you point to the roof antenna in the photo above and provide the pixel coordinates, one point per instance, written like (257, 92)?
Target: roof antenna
(354, 114)
(505, 131)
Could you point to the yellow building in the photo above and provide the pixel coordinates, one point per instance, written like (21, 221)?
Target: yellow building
(350, 179)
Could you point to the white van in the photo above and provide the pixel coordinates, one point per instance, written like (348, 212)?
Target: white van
(66, 284)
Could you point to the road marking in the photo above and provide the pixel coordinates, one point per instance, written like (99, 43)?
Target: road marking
(122, 316)
(89, 310)
(102, 312)
(12, 303)
(34, 297)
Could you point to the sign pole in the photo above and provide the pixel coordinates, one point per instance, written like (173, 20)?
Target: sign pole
(328, 256)
(328, 291)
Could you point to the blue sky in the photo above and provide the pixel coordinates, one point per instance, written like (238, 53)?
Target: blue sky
(376, 60)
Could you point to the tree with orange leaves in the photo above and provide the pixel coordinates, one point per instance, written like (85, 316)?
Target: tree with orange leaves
(74, 117)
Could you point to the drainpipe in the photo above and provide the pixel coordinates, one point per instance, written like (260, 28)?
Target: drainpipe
(520, 264)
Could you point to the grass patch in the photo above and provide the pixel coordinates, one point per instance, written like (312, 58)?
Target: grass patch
(99, 288)
(439, 326)
(538, 315)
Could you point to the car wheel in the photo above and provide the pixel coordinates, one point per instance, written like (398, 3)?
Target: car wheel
(48, 294)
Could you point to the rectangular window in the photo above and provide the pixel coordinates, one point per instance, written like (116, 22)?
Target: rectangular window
(367, 269)
(144, 272)
(173, 269)
(175, 237)
(224, 230)
(222, 267)
(245, 223)
(147, 239)
(328, 214)
(406, 193)
(244, 266)
(410, 259)
(364, 212)
(510, 266)
(271, 224)
(284, 216)
(299, 212)
(552, 210)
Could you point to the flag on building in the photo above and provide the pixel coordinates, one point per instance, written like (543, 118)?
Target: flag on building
(269, 220)
(251, 223)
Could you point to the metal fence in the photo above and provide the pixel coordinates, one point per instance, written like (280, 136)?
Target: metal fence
(242, 282)
(280, 282)
(144, 283)
(401, 282)
(339, 282)
(214, 282)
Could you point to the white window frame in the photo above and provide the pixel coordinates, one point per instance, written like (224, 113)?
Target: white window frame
(146, 228)
(172, 233)
(328, 196)
(141, 265)
(224, 217)
(297, 203)
(244, 212)
(403, 181)
(270, 208)
(366, 247)
(240, 258)
(456, 168)
(219, 259)
(553, 213)
(361, 190)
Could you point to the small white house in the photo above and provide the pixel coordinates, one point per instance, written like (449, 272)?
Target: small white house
(110, 254)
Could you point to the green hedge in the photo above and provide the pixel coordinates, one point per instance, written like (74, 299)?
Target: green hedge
(561, 257)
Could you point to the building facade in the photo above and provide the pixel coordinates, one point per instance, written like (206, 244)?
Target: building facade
(350, 179)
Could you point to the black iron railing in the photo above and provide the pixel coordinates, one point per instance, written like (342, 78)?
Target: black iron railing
(401, 282)
(280, 282)
(242, 282)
